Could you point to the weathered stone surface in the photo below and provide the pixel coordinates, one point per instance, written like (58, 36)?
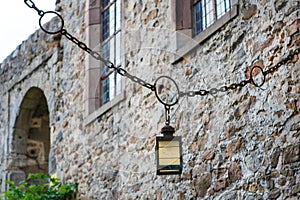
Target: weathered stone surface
(294, 27)
(282, 181)
(241, 143)
(235, 146)
(274, 194)
(202, 183)
(279, 4)
(250, 11)
(274, 157)
(291, 154)
(235, 172)
(209, 155)
(295, 189)
(220, 184)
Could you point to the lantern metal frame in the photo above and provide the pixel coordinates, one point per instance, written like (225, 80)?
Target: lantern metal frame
(169, 169)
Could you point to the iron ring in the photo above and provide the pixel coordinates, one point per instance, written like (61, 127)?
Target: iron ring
(252, 80)
(157, 92)
(48, 31)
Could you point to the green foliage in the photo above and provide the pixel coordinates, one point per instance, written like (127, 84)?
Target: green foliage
(40, 187)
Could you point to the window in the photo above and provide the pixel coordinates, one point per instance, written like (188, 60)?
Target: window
(104, 89)
(110, 82)
(197, 20)
(206, 12)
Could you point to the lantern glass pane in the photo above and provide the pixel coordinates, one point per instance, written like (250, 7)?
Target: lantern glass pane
(169, 152)
(169, 158)
(171, 143)
(169, 161)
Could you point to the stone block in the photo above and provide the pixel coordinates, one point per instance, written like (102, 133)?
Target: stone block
(220, 184)
(254, 160)
(249, 12)
(275, 193)
(235, 172)
(282, 181)
(274, 157)
(295, 189)
(209, 155)
(291, 154)
(294, 27)
(202, 183)
(279, 5)
(235, 146)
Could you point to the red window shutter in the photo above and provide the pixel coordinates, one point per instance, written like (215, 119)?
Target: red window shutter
(183, 15)
(94, 12)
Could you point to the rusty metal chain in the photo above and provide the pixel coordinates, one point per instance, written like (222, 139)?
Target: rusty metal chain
(135, 79)
(31, 4)
(167, 114)
(84, 47)
(214, 91)
(123, 72)
(243, 83)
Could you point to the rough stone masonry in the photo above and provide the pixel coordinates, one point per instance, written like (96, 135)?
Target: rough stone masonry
(242, 144)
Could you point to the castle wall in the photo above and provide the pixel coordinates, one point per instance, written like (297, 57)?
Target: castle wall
(240, 144)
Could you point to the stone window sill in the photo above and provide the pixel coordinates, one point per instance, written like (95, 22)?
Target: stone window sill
(200, 38)
(103, 109)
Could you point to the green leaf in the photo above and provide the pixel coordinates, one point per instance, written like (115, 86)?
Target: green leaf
(40, 187)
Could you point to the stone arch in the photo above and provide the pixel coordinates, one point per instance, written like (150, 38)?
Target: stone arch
(31, 136)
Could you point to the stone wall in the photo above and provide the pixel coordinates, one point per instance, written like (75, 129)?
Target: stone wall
(35, 63)
(241, 144)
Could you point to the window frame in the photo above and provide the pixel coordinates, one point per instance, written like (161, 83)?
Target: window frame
(106, 75)
(186, 40)
(94, 68)
(215, 15)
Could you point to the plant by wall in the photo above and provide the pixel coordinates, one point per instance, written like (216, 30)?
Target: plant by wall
(40, 187)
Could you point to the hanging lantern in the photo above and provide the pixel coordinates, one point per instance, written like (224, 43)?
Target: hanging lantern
(168, 152)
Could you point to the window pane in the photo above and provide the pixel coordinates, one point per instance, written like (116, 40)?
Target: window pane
(105, 91)
(118, 84)
(112, 20)
(206, 12)
(118, 15)
(222, 7)
(112, 49)
(227, 5)
(198, 18)
(209, 13)
(106, 50)
(105, 3)
(112, 86)
(204, 17)
(105, 24)
(118, 49)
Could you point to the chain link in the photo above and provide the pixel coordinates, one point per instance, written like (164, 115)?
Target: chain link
(214, 91)
(135, 79)
(284, 61)
(167, 114)
(84, 47)
(31, 4)
(94, 54)
(243, 83)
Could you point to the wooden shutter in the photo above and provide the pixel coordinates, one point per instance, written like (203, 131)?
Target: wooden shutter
(183, 14)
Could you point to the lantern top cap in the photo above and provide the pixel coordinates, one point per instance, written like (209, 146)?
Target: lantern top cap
(168, 130)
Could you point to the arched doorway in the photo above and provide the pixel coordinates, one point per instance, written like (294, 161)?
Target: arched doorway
(31, 136)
